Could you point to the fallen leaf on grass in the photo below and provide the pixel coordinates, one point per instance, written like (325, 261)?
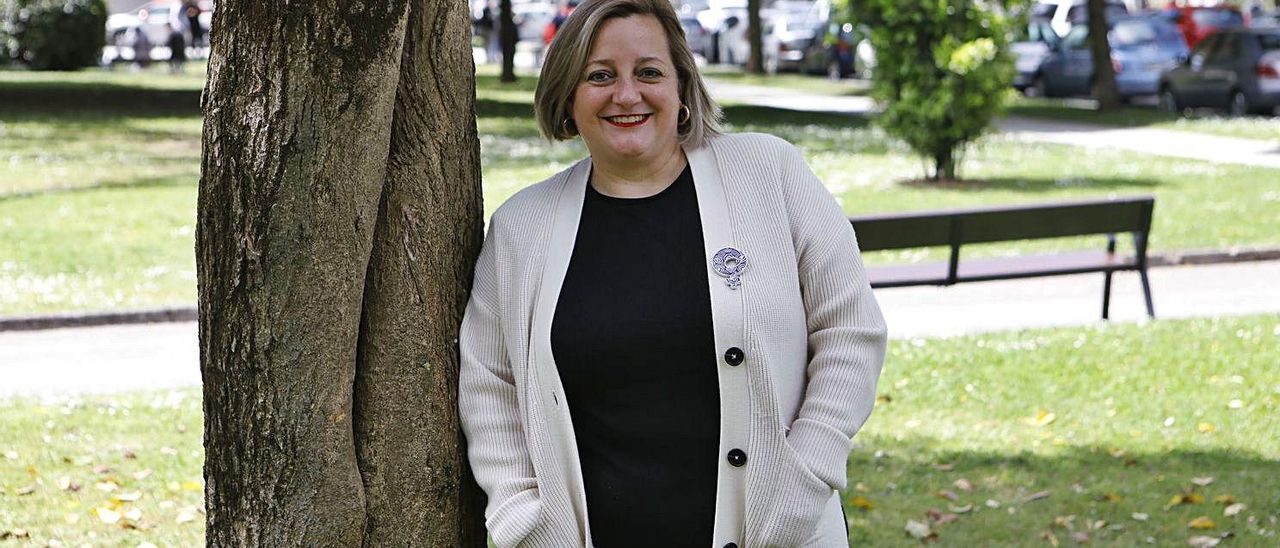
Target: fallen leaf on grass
(860, 487)
(1064, 522)
(1234, 509)
(11, 455)
(1224, 499)
(1206, 427)
(27, 490)
(963, 485)
(1041, 418)
(1080, 537)
(107, 515)
(1203, 481)
(862, 503)
(1049, 536)
(107, 486)
(948, 495)
(65, 484)
(1139, 516)
(1203, 541)
(141, 475)
(14, 534)
(1110, 497)
(127, 497)
(883, 399)
(1186, 498)
(101, 469)
(147, 545)
(192, 486)
(1038, 495)
(961, 509)
(992, 503)
(919, 530)
(186, 515)
(1202, 522)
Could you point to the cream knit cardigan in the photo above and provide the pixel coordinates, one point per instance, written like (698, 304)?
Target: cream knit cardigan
(804, 316)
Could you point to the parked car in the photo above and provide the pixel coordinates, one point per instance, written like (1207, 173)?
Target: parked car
(1265, 19)
(833, 51)
(697, 36)
(150, 18)
(1234, 69)
(792, 35)
(1030, 47)
(1142, 49)
(1063, 15)
(1199, 22)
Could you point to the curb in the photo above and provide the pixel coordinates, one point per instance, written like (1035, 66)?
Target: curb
(189, 314)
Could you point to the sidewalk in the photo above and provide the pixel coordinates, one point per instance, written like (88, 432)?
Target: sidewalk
(1162, 142)
(150, 356)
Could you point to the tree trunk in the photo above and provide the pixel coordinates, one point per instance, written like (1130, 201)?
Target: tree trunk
(338, 218)
(508, 34)
(944, 164)
(755, 38)
(1104, 76)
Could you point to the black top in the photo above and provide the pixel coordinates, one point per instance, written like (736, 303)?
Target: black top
(633, 342)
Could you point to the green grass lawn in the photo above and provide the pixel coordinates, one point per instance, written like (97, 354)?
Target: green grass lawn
(98, 172)
(1016, 433)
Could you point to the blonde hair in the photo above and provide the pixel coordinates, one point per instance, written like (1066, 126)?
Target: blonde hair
(567, 57)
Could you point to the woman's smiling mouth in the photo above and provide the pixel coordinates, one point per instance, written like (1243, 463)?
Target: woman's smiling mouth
(628, 120)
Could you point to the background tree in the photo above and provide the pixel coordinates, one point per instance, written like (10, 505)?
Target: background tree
(942, 72)
(1104, 75)
(755, 38)
(52, 34)
(339, 216)
(508, 34)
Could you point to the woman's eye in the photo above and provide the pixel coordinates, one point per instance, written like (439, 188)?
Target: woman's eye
(650, 73)
(599, 76)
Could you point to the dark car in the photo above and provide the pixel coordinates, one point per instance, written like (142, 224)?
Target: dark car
(1236, 69)
(1030, 46)
(1142, 49)
(833, 51)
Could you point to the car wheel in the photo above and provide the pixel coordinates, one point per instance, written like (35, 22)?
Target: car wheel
(833, 70)
(1168, 102)
(1037, 88)
(1238, 105)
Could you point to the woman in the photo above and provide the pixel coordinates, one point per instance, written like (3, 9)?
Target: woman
(672, 342)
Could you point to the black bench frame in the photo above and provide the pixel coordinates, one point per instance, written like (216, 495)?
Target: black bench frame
(955, 228)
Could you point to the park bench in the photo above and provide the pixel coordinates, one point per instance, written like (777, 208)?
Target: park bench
(958, 227)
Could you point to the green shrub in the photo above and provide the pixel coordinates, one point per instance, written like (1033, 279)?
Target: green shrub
(52, 34)
(943, 72)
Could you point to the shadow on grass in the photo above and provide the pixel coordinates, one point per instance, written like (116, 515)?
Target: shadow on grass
(1037, 184)
(109, 184)
(1068, 110)
(37, 99)
(769, 116)
(1028, 492)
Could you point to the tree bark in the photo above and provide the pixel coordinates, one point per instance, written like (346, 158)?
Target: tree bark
(338, 218)
(508, 34)
(755, 38)
(1104, 76)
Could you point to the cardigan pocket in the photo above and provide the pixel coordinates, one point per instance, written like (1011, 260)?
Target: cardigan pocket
(801, 501)
(515, 518)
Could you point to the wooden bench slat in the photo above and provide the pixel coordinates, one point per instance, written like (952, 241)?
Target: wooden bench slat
(1001, 268)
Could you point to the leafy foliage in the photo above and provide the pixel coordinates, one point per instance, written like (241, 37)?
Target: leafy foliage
(942, 70)
(52, 34)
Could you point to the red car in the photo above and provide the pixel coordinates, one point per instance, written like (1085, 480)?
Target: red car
(1196, 23)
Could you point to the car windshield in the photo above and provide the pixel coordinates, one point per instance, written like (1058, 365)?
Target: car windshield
(1217, 18)
(1128, 34)
(1269, 42)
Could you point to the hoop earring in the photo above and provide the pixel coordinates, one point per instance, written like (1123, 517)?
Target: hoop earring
(687, 115)
(568, 126)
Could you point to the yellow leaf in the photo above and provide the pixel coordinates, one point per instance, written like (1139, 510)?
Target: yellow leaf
(192, 486)
(108, 516)
(1042, 418)
(1111, 497)
(1206, 427)
(1202, 522)
(1193, 498)
(863, 503)
(31, 470)
(1224, 499)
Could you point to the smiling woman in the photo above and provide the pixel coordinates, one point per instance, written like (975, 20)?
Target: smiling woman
(671, 342)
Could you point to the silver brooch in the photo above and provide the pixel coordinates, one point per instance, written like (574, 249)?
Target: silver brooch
(730, 263)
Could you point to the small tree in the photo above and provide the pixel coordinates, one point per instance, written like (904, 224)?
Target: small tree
(942, 72)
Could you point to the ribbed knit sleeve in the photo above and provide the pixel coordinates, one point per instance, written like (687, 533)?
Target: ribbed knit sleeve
(490, 411)
(847, 335)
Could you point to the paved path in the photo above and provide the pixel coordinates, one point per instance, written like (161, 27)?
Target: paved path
(1163, 142)
(130, 357)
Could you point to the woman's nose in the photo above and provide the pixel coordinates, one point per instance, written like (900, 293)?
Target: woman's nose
(626, 92)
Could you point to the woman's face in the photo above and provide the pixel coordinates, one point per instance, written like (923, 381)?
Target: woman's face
(627, 103)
